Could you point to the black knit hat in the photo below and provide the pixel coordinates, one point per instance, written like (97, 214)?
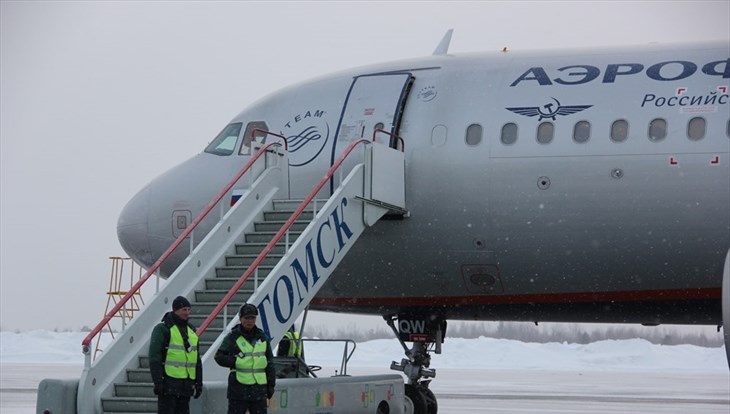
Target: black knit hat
(248, 310)
(179, 303)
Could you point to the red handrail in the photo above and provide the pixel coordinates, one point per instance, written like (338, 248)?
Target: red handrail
(85, 343)
(286, 141)
(277, 237)
(397, 137)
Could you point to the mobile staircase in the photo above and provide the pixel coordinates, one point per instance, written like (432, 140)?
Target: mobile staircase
(266, 249)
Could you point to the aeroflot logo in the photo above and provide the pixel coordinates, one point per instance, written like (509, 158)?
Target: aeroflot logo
(307, 133)
(549, 110)
(293, 286)
(671, 70)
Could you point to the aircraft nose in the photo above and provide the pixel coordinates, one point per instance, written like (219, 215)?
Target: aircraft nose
(132, 228)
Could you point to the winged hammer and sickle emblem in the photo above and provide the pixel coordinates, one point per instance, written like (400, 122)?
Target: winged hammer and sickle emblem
(549, 110)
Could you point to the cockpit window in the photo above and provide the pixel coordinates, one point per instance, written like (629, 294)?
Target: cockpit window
(254, 131)
(225, 142)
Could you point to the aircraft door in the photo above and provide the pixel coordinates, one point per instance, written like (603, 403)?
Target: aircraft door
(373, 102)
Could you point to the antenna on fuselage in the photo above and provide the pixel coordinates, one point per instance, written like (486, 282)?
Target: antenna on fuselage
(443, 46)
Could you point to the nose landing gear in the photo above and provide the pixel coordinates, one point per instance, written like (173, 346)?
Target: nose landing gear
(426, 333)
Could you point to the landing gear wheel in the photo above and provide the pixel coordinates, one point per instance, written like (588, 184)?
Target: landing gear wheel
(432, 406)
(415, 401)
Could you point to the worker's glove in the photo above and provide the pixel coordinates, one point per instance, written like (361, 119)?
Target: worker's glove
(159, 388)
(198, 390)
(269, 392)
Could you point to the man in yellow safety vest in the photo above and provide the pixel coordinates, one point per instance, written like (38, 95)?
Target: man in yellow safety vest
(290, 345)
(247, 352)
(175, 365)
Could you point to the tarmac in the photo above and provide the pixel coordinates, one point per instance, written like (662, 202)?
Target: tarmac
(465, 391)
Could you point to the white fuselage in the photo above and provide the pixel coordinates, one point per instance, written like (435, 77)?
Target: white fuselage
(573, 186)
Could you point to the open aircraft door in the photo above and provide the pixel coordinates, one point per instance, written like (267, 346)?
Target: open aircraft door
(373, 102)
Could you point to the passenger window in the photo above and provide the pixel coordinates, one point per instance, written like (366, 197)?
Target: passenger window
(509, 133)
(582, 131)
(545, 132)
(473, 134)
(619, 131)
(225, 142)
(696, 129)
(249, 136)
(657, 130)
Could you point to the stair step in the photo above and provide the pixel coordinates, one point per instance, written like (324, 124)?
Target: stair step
(137, 389)
(275, 225)
(256, 248)
(248, 259)
(284, 215)
(129, 404)
(267, 236)
(198, 320)
(226, 283)
(138, 375)
(205, 345)
(206, 308)
(127, 412)
(291, 205)
(215, 328)
(218, 294)
(238, 271)
(137, 395)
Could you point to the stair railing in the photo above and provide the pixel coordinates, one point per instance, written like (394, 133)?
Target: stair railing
(392, 135)
(283, 230)
(85, 344)
(286, 142)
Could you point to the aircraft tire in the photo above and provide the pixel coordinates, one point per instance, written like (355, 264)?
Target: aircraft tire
(415, 400)
(383, 408)
(432, 406)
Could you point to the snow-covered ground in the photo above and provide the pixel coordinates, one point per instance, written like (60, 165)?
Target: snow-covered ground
(473, 375)
(483, 353)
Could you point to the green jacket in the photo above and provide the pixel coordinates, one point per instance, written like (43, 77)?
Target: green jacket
(158, 352)
(225, 356)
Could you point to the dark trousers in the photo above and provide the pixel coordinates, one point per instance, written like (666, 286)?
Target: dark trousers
(240, 406)
(173, 404)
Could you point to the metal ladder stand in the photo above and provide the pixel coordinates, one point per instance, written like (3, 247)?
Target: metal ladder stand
(241, 260)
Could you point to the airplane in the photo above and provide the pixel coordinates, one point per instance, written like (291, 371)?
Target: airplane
(588, 185)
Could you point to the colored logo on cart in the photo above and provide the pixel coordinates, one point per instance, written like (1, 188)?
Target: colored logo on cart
(324, 399)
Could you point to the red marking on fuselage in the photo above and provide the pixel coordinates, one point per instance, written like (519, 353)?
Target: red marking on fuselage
(578, 297)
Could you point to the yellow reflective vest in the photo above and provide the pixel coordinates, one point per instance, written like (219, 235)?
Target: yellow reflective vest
(251, 362)
(295, 347)
(180, 362)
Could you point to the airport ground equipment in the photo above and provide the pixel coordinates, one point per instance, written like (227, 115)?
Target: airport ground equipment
(243, 260)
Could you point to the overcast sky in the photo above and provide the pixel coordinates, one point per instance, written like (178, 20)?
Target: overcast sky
(98, 98)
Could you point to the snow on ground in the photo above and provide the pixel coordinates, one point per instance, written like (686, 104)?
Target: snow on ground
(483, 353)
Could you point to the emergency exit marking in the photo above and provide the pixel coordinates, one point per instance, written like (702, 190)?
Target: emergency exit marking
(673, 161)
(716, 160)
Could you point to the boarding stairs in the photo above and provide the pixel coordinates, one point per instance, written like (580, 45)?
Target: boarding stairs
(262, 246)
